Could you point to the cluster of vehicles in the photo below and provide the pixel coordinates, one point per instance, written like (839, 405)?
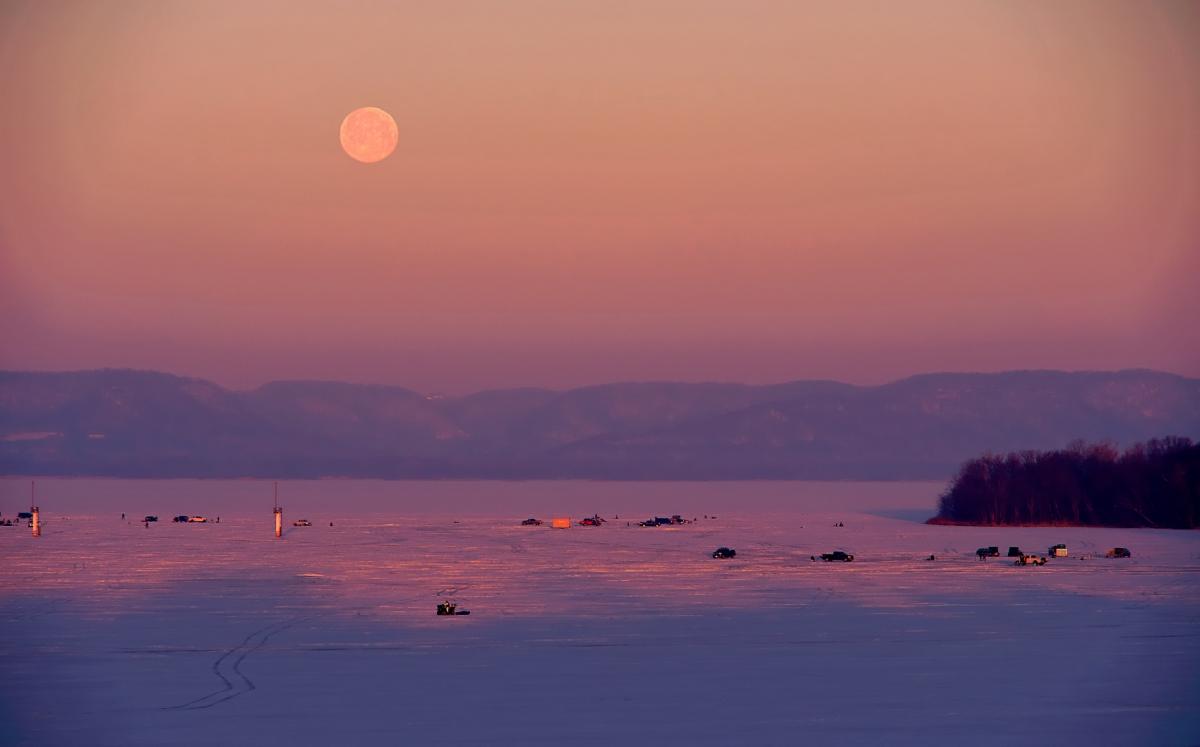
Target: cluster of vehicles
(24, 515)
(1020, 558)
(1054, 551)
(597, 520)
(664, 521)
(725, 553)
(21, 517)
(186, 519)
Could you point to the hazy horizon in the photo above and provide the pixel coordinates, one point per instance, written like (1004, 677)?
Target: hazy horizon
(587, 192)
(255, 384)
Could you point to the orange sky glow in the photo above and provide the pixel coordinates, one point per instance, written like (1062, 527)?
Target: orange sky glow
(599, 191)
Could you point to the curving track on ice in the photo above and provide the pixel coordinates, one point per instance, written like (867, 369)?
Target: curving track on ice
(228, 668)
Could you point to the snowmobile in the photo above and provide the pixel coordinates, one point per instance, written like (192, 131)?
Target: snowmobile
(450, 608)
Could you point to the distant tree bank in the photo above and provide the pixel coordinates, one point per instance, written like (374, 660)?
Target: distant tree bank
(1151, 484)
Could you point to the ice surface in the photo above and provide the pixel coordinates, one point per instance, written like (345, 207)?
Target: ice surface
(116, 634)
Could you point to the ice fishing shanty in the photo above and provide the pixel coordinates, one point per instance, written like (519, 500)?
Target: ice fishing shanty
(278, 513)
(35, 519)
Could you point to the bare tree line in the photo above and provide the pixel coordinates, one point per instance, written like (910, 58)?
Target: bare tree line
(1151, 484)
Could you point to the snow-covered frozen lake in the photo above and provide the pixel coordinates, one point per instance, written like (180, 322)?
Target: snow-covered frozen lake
(112, 633)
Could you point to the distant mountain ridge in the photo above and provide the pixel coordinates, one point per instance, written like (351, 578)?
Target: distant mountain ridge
(148, 424)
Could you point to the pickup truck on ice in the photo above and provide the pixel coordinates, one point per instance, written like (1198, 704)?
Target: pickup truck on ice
(829, 557)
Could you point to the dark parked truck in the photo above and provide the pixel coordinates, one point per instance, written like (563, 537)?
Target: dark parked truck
(844, 557)
(1118, 552)
(987, 552)
(663, 521)
(724, 553)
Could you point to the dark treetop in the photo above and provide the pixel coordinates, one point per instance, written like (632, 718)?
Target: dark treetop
(1155, 484)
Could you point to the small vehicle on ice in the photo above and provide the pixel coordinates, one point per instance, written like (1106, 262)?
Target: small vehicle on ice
(302, 523)
(181, 519)
(591, 521)
(450, 608)
(1118, 552)
(724, 553)
(987, 552)
(149, 518)
(1030, 560)
(838, 555)
(531, 523)
(197, 520)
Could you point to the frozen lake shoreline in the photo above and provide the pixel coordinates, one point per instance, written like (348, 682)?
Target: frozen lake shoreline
(219, 633)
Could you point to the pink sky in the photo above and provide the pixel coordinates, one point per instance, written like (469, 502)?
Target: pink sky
(597, 191)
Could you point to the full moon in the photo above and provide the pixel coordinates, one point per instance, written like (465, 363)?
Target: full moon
(369, 134)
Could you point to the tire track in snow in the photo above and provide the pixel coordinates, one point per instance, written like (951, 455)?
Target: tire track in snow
(228, 668)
